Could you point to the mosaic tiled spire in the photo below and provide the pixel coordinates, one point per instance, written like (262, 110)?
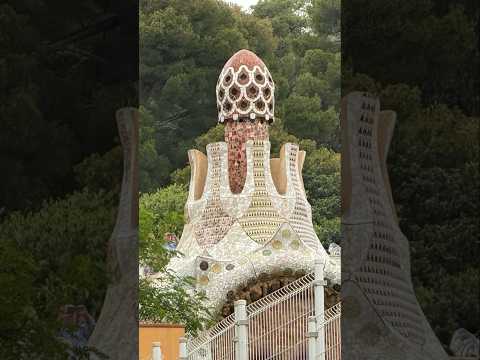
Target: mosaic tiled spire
(382, 318)
(247, 214)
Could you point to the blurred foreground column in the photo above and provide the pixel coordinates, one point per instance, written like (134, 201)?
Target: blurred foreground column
(116, 332)
(381, 318)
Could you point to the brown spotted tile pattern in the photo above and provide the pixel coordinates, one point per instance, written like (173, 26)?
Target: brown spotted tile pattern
(237, 133)
(214, 222)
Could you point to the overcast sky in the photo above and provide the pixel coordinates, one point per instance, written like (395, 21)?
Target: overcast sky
(244, 3)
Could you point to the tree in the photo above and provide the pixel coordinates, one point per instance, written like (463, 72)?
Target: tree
(154, 167)
(321, 177)
(52, 257)
(170, 298)
(381, 39)
(306, 69)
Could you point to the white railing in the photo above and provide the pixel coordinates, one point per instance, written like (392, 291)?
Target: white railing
(278, 322)
(331, 326)
(217, 343)
(284, 325)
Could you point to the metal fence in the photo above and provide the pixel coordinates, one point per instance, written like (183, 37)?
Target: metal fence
(278, 322)
(216, 343)
(331, 326)
(285, 325)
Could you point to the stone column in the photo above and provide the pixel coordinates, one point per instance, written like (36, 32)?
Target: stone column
(381, 318)
(116, 332)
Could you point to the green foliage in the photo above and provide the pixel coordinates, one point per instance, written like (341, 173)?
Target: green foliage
(446, 70)
(321, 177)
(49, 258)
(160, 212)
(285, 17)
(306, 68)
(154, 167)
(101, 172)
(326, 16)
(170, 298)
(57, 111)
(19, 317)
(181, 176)
(67, 239)
(213, 135)
(461, 298)
(306, 119)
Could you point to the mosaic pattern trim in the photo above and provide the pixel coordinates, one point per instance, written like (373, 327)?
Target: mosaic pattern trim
(214, 222)
(383, 275)
(261, 220)
(236, 136)
(235, 243)
(233, 204)
(301, 218)
(219, 276)
(245, 89)
(284, 204)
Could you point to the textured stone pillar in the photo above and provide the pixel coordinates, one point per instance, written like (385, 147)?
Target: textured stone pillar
(381, 318)
(116, 332)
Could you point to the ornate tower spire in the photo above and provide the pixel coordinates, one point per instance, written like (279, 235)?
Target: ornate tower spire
(247, 214)
(245, 103)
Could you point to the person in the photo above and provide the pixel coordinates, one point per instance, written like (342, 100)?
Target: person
(171, 241)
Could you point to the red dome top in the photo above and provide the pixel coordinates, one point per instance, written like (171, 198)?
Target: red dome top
(244, 57)
(245, 89)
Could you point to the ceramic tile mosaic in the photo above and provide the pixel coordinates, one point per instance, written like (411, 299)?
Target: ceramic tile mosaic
(261, 221)
(245, 89)
(301, 219)
(387, 320)
(236, 136)
(214, 222)
(238, 224)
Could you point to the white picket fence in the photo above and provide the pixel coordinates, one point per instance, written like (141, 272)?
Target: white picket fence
(289, 324)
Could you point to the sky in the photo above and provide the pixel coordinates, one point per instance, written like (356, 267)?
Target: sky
(244, 3)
